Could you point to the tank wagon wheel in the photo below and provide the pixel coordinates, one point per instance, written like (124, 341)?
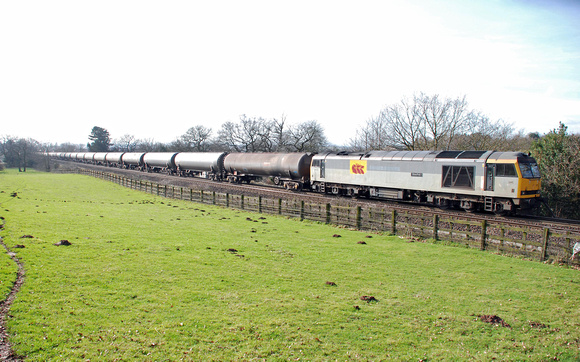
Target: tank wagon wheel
(276, 181)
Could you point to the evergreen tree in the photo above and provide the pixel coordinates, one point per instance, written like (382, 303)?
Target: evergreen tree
(100, 140)
(558, 156)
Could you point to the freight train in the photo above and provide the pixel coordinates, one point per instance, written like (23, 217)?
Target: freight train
(500, 182)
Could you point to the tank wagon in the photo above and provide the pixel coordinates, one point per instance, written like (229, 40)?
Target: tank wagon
(159, 162)
(99, 158)
(114, 159)
(88, 157)
(201, 164)
(133, 160)
(471, 180)
(291, 170)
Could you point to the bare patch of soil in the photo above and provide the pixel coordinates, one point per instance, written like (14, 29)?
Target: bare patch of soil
(495, 320)
(369, 298)
(537, 325)
(63, 243)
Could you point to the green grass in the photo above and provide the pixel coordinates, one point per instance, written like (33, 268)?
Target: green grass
(148, 278)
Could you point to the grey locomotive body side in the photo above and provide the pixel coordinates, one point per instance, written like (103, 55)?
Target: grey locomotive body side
(446, 178)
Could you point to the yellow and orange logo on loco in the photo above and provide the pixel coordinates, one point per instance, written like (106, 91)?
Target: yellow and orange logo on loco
(358, 167)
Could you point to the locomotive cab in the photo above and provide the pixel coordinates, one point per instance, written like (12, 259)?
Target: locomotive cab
(511, 179)
(529, 185)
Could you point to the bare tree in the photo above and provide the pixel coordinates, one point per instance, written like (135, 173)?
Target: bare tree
(127, 143)
(196, 139)
(484, 134)
(249, 135)
(19, 152)
(279, 133)
(401, 124)
(425, 123)
(230, 137)
(306, 137)
(150, 145)
(371, 137)
(396, 127)
(441, 120)
(271, 135)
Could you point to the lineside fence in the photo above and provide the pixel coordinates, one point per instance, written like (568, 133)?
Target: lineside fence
(534, 242)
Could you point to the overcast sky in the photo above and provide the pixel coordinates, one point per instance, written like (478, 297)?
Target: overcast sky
(153, 69)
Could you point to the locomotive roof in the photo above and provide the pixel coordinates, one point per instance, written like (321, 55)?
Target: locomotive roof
(432, 155)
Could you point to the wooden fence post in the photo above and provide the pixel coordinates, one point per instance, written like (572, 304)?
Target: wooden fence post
(394, 222)
(302, 210)
(451, 231)
(358, 217)
(227, 200)
(545, 246)
(435, 227)
(260, 204)
(242, 202)
(279, 206)
(483, 233)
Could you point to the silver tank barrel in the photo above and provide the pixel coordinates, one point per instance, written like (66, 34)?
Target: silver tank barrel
(89, 156)
(133, 158)
(160, 159)
(100, 156)
(286, 165)
(201, 161)
(114, 157)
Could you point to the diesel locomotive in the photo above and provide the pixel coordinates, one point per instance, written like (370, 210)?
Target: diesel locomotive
(501, 182)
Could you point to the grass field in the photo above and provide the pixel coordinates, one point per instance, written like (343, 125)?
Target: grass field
(148, 278)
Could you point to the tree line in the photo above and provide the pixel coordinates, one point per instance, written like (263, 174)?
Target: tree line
(249, 134)
(420, 122)
(431, 122)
